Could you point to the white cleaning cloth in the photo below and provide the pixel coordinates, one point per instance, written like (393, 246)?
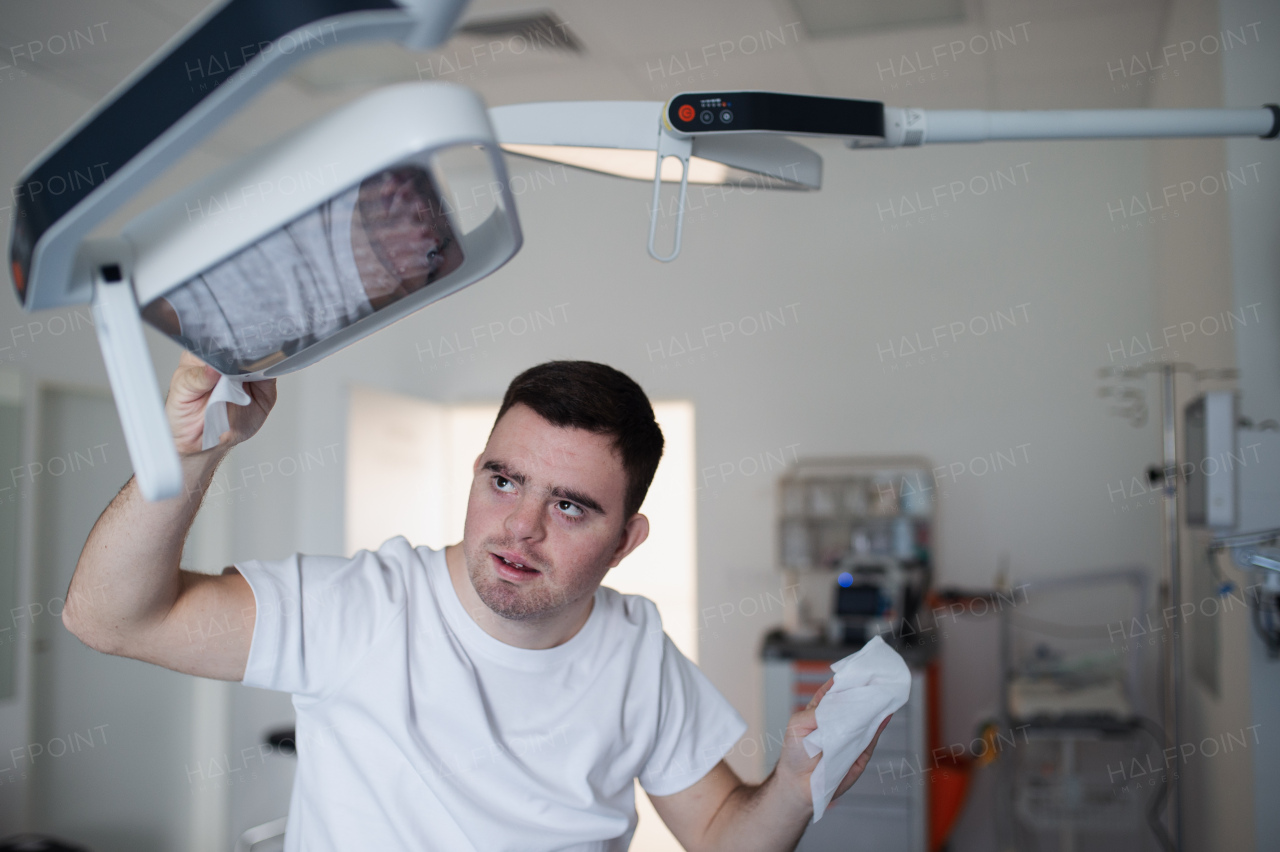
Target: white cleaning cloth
(227, 390)
(869, 685)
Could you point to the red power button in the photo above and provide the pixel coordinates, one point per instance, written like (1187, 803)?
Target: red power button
(686, 113)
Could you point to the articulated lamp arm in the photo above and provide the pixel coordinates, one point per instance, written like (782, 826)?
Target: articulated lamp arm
(718, 136)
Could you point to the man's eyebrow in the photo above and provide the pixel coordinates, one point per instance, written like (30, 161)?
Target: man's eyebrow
(500, 467)
(577, 497)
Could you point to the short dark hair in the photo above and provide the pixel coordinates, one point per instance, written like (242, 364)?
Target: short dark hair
(600, 399)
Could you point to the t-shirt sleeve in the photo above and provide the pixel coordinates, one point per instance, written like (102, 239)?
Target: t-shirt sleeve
(318, 616)
(697, 726)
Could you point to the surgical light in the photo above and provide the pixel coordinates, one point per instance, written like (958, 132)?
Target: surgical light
(290, 252)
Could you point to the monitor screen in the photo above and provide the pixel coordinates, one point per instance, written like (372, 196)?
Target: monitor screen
(860, 600)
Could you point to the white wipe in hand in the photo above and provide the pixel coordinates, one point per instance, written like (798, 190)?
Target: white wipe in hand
(216, 421)
(869, 685)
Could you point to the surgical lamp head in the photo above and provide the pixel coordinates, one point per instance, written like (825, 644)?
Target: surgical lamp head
(355, 221)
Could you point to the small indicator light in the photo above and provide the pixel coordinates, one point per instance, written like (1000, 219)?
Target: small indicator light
(846, 579)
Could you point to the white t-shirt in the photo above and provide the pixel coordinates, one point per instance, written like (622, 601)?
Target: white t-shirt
(419, 731)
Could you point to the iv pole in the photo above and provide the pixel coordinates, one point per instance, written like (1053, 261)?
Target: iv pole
(1173, 557)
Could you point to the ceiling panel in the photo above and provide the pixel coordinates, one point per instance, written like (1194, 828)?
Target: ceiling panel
(646, 31)
(782, 66)
(824, 18)
(1081, 48)
(1061, 90)
(597, 82)
(1051, 10)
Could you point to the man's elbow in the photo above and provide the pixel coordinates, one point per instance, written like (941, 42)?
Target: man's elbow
(83, 628)
(72, 624)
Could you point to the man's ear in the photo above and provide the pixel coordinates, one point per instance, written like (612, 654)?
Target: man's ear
(475, 466)
(633, 535)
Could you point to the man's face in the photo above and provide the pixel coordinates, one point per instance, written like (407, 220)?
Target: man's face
(550, 499)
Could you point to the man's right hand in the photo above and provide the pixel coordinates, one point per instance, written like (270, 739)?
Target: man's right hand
(189, 391)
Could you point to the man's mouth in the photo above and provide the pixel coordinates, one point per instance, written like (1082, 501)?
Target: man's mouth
(512, 565)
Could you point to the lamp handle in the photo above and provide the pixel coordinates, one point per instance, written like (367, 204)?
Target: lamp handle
(669, 146)
(133, 383)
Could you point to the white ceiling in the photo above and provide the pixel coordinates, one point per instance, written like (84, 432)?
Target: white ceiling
(635, 50)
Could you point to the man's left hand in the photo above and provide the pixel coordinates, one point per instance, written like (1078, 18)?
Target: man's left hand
(795, 765)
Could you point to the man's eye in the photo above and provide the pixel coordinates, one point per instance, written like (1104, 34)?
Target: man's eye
(570, 509)
(501, 483)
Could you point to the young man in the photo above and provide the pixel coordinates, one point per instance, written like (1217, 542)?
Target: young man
(489, 696)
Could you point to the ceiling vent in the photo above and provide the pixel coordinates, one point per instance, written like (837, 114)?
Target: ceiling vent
(540, 29)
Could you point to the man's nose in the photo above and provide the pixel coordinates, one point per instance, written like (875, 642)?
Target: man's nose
(526, 518)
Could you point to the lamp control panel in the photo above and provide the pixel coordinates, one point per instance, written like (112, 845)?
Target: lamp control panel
(696, 113)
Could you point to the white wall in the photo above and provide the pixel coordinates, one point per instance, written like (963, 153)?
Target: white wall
(79, 751)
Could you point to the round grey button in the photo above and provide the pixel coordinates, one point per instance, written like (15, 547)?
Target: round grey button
(726, 115)
(707, 117)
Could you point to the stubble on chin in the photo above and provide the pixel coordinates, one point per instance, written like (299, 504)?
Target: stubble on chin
(516, 603)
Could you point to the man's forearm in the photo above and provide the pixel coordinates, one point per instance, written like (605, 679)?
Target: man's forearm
(760, 818)
(128, 573)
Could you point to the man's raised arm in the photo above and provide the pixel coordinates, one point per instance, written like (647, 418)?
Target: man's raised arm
(128, 595)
